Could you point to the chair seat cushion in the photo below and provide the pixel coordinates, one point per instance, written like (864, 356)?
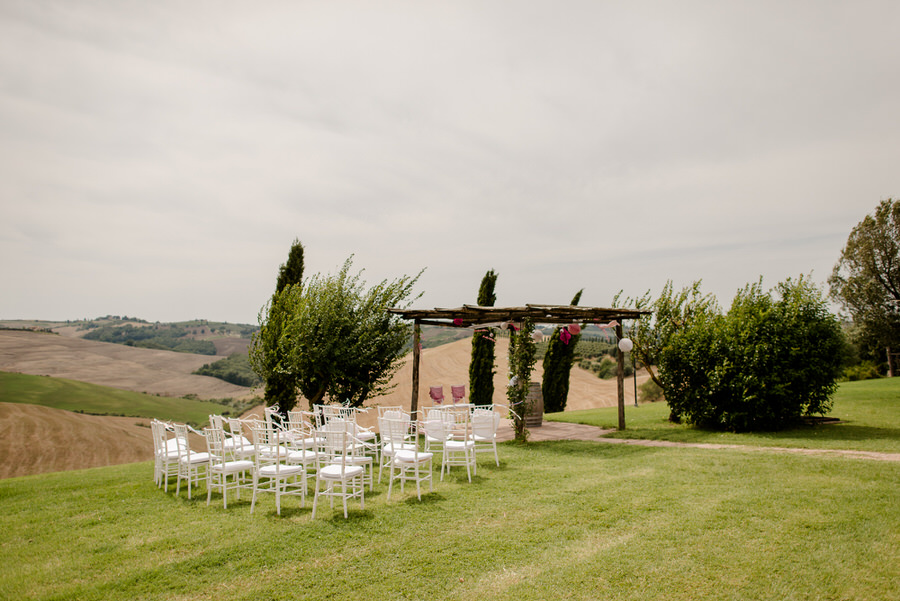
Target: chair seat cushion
(302, 455)
(453, 445)
(195, 458)
(391, 448)
(283, 470)
(232, 467)
(411, 457)
(333, 472)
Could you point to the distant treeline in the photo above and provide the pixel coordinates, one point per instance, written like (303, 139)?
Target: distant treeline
(234, 369)
(170, 337)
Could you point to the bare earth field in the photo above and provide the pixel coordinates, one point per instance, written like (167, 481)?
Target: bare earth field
(166, 373)
(39, 439)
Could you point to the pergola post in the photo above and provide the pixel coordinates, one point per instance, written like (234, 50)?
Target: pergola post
(620, 377)
(417, 338)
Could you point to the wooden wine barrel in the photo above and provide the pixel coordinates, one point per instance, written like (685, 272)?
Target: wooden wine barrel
(535, 416)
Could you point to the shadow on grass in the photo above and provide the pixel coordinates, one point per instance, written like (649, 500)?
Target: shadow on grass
(428, 498)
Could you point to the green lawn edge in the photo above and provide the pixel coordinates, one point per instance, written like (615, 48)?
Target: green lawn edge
(868, 412)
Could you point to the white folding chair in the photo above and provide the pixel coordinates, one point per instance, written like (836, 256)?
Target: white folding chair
(334, 468)
(224, 473)
(191, 464)
(390, 444)
(459, 448)
(485, 422)
(407, 462)
(271, 472)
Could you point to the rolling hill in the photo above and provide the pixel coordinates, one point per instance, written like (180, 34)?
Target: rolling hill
(61, 440)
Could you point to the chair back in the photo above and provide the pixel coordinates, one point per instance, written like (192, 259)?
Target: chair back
(485, 423)
(158, 440)
(336, 445)
(437, 394)
(267, 445)
(181, 439)
(383, 409)
(399, 435)
(394, 430)
(458, 393)
(456, 423)
(215, 445)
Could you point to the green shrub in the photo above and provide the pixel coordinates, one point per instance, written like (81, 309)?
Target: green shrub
(650, 392)
(234, 369)
(762, 366)
(866, 370)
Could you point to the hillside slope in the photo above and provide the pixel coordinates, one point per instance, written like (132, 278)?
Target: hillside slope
(37, 440)
(166, 373)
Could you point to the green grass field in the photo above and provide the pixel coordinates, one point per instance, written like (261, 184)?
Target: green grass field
(566, 520)
(869, 411)
(72, 395)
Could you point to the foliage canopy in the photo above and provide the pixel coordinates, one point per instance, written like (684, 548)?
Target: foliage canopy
(334, 337)
(866, 279)
(558, 362)
(281, 384)
(522, 357)
(481, 365)
(762, 366)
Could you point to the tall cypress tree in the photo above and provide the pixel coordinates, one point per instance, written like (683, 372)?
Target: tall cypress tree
(557, 364)
(481, 366)
(281, 387)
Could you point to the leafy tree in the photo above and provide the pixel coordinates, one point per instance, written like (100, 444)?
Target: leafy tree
(672, 312)
(866, 279)
(522, 357)
(557, 366)
(281, 385)
(764, 365)
(336, 338)
(481, 365)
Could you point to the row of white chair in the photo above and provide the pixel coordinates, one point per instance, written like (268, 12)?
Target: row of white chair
(281, 453)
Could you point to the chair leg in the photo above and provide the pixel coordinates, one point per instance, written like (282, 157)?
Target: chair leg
(390, 482)
(315, 500)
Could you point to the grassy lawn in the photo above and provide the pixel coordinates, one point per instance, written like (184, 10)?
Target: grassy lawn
(869, 412)
(566, 520)
(72, 395)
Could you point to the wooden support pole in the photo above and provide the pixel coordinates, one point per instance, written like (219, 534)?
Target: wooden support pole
(620, 376)
(417, 340)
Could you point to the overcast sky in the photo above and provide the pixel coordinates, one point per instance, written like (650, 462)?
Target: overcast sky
(158, 158)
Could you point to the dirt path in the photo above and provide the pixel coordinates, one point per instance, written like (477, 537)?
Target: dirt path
(566, 431)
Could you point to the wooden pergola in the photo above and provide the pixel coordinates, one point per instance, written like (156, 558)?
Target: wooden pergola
(474, 315)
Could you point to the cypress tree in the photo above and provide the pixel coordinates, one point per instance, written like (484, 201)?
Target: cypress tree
(481, 366)
(281, 388)
(557, 364)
